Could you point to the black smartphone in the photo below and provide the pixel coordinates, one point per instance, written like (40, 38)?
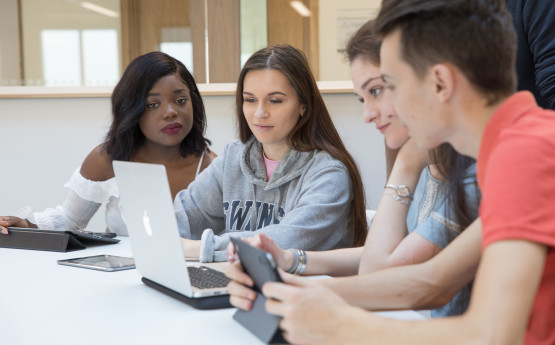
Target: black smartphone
(108, 263)
(258, 264)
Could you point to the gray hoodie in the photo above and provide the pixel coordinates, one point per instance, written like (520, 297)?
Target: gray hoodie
(304, 205)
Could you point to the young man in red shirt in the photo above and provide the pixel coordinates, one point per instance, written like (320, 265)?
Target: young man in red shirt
(449, 65)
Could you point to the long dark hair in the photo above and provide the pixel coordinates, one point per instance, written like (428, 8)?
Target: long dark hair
(129, 101)
(451, 165)
(315, 129)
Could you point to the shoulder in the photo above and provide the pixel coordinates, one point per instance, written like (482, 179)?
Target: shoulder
(321, 166)
(235, 145)
(207, 159)
(234, 148)
(530, 139)
(323, 159)
(97, 166)
(210, 155)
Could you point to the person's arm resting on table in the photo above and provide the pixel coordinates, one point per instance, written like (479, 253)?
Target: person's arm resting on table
(423, 286)
(507, 281)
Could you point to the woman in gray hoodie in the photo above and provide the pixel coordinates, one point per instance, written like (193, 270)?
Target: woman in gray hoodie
(289, 176)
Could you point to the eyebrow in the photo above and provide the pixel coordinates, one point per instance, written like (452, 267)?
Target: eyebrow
(270, 94)
(386, 77)
(363, 86)
(177, 91)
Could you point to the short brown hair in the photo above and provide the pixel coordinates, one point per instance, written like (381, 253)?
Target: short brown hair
(364, 44)
(477, 36)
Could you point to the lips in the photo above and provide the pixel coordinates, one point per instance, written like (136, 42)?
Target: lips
(172, 128)
(262, 127)
(382, 128)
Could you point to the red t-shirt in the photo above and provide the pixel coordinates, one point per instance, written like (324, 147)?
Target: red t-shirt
(516, 174)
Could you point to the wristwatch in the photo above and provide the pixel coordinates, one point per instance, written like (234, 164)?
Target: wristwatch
(402, 191)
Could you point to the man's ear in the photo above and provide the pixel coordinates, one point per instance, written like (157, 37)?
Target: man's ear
(443, 79)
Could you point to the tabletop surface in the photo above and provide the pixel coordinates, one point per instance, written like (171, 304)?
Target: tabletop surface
(42, 302)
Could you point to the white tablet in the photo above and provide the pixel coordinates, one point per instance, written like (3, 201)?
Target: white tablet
(107, 263)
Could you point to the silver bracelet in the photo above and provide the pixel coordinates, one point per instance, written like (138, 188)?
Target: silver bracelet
(295, 263)
(403, 191)
(401, 200)
(302, 262)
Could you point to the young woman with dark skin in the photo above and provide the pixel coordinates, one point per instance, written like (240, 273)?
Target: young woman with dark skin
(158, 117)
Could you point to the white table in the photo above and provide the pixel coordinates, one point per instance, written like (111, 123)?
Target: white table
(44, 303)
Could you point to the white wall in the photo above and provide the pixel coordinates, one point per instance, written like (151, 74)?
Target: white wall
(338, 20)
(43, 140)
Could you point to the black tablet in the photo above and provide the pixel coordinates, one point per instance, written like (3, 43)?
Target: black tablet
(258, 264)
(262, 268)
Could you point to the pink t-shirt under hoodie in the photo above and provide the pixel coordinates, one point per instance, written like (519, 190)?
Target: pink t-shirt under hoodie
(270, 166)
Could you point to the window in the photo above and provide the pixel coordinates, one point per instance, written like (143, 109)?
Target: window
(73, 57)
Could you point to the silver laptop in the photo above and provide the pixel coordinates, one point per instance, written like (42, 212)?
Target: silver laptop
(148, 212)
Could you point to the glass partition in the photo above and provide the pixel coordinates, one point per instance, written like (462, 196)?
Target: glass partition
(89, 43)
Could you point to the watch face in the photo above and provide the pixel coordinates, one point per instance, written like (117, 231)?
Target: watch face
(403, 191)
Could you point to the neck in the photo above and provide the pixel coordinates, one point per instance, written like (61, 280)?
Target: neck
(473, 118)
(158, 154)
(274, 153)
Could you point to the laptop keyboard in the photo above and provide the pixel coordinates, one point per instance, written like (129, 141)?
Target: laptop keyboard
(207, 278)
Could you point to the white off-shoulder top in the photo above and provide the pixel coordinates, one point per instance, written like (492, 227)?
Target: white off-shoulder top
(83, 200)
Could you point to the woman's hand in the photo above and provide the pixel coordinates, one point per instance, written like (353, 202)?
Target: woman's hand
(16, 222)
(191, 248)
(412, 157)
(241, 294)
(283, 258)
(312, 313)
(240, 289)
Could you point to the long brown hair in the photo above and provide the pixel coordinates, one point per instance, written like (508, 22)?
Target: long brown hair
(452, 168)
(315, 129)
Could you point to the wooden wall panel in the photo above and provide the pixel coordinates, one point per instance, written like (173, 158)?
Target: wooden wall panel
(285, 25)
(142, 22)
(198, 31)
(130, 26)
(224, 48)
(312, 47)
